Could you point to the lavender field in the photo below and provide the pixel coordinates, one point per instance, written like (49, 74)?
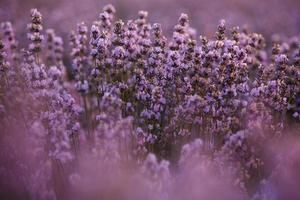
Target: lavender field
(149, 100)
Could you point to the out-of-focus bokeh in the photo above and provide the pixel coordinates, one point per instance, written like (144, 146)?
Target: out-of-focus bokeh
(264, 16)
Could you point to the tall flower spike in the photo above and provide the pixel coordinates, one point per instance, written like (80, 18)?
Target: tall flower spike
(58, 51)
(142, 15)
(184, 20)
(35, 28)
(106, 17)
(10, 36)
(81, 41)
(204, 43)
(157, 29)
(159, 39)
(118, 51)
(235, 34)
(94, 41)
(180, 34)
(220, 34)
(50, 35)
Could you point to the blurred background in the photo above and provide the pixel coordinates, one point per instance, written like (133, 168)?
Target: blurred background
(264, 16)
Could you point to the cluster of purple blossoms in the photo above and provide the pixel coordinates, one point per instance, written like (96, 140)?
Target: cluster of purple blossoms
(156, 108)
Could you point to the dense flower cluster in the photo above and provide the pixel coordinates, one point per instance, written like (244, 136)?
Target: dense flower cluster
(140, 109)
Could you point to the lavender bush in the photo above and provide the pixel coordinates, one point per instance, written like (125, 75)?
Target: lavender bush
(139, 115)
